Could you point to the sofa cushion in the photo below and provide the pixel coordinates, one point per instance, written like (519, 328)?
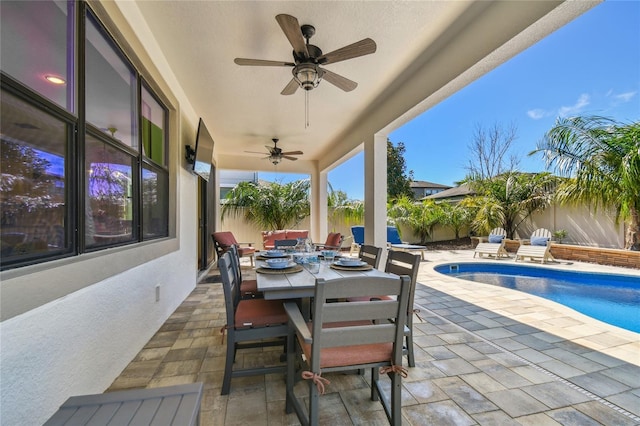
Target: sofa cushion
(269, 238)
(292, 234)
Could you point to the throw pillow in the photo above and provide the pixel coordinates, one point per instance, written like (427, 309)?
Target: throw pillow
(539, 241)
(495, 239)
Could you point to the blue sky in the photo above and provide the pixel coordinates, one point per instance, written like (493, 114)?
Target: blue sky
(591, 66)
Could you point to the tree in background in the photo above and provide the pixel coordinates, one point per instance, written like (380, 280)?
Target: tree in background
(270, 207)
(457, 216)
(509, 199)
(420, 217)
(343, 209)
(398, 183)
(602, 159)
(489, 151)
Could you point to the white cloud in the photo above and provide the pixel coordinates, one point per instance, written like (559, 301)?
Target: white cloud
(574, 109)
(537, 113)
(625, 97)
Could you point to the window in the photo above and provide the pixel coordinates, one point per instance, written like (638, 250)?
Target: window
(66, 191)
(32, 179)
(38, 49)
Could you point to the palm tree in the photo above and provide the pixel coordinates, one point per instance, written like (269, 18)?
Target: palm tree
(456, 216)
(602, 159)
(420, 217)
(269, 206)
(509, 199)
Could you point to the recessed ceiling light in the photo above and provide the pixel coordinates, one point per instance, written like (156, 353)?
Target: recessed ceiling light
(54, 79)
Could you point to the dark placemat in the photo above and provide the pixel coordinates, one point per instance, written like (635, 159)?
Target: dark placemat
(289, 270)
(261, 257)
(351, 268)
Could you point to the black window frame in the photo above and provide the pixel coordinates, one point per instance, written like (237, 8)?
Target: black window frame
(78, 128)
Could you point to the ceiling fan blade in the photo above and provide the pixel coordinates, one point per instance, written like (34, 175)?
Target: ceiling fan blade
(289, 158)
(290, 88)
(254, 152)
(359, 48)
(339, 81)
(263, 63)
(293, 153)
(291, 29)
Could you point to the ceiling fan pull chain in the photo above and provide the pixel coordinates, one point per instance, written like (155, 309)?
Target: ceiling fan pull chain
(306, 109)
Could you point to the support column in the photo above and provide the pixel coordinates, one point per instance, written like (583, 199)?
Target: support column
(375, 190)
(318, 202)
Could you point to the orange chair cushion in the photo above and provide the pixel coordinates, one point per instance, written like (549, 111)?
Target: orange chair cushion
(349, 355)
(333, 239)
(269, 237)
(246, 251)
(249, 286)
(260, 313)
(225, 239)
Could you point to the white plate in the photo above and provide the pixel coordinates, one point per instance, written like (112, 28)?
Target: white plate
(283, 266)
(274, 255)
(350, 263)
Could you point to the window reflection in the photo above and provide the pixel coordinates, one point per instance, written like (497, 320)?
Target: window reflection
(110, 88)
(153, 134)
(154, 204)
(109, 204)
(37, 41)
(32, 181)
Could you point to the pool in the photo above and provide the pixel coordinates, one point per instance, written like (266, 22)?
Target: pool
(612, 298)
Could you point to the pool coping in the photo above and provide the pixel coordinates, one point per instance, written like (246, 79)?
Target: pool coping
(548, 316)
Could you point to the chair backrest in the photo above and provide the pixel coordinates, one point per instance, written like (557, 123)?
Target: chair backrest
(334, 240)
(342, 323)
(230, 285)
(358, 234)
(235, 263)
(222, 240)
(284, 243)
(540, 237)
(393, 236)
(404, 263)
(498, 231)
(370, 254)
(541, 232)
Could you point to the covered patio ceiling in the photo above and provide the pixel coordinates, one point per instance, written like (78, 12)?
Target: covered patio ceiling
(426, 51)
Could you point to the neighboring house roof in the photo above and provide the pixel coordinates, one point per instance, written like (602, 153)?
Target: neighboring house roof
(456, 192)
(425, 184)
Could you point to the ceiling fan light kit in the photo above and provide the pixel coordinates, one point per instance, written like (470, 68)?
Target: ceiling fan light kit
(306, 71)
(275, 154)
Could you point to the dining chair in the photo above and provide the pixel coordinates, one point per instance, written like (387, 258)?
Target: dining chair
(248, 288)
(284, 244)
(370, 254)
(344, 337)
(222, 240)
(401, 263)
(250, 324)
(333, 242)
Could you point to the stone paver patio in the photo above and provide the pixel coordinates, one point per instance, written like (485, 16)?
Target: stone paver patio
(484, 355)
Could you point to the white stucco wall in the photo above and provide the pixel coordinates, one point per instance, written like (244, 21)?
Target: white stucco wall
(80, 343)
(77, 338)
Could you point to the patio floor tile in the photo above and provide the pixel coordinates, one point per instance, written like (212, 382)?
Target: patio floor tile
(495, 356)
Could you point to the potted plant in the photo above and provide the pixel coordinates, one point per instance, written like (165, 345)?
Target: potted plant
(559, 235)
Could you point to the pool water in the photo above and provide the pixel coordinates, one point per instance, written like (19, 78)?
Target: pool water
(612, 298)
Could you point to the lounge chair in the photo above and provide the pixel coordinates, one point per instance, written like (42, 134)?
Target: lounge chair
(357, 232)
(494, 246)
(395, 243)
(539, 249)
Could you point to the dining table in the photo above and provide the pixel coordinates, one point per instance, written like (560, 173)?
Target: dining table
(299, 283)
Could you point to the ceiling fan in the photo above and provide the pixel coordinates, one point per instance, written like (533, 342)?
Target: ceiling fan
(276, 155)
(307, 58)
